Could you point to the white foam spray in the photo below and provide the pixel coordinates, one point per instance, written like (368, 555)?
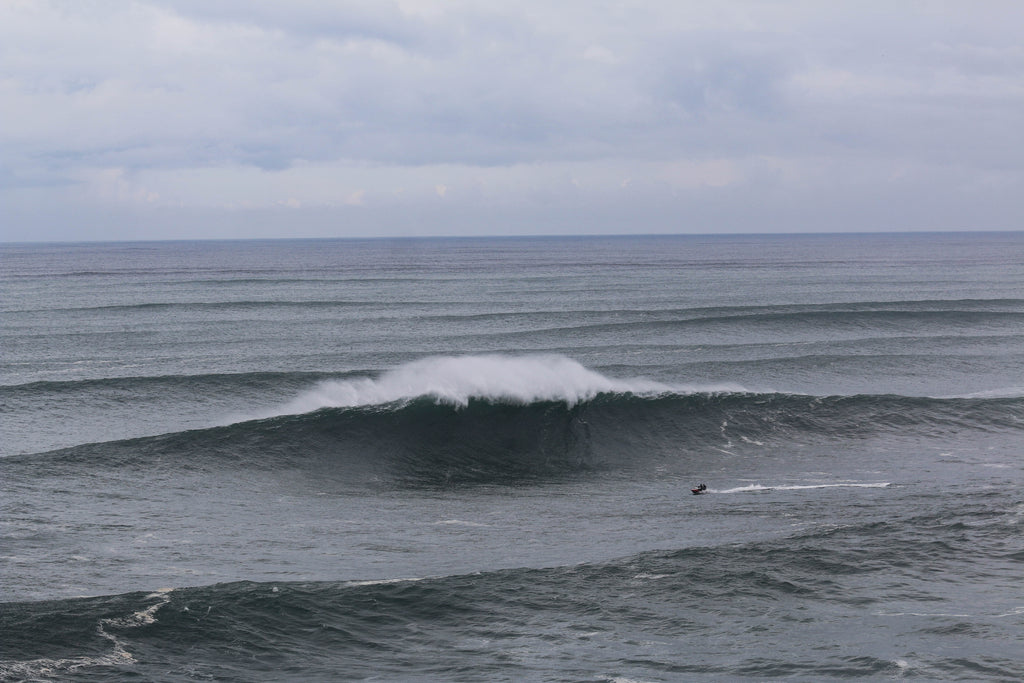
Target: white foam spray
(457, 379)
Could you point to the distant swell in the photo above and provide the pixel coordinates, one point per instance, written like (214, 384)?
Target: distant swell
(953, 310)
(129, 386)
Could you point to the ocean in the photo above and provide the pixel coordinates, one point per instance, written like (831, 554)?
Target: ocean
(472, 459)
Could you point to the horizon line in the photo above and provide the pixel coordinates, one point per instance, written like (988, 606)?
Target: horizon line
(353, 238)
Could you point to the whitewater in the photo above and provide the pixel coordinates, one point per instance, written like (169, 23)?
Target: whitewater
(454, 380)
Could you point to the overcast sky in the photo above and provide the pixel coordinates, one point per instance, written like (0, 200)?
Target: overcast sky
(273, 118)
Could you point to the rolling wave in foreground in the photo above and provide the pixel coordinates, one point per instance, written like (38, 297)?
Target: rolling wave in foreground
(518, 623)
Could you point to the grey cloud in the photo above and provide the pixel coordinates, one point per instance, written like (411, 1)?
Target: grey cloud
(911, 91)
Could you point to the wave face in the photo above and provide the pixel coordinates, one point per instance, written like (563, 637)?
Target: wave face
(492, 419)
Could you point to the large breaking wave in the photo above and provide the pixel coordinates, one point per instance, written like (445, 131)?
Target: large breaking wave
(496, 420)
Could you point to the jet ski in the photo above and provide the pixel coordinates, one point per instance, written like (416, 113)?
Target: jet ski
(701, 488)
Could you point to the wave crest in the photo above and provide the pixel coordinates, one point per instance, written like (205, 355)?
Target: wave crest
(455, 380)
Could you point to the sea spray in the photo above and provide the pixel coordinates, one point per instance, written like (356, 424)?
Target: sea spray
(454, 380)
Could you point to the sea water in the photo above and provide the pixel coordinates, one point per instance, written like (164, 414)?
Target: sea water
(471, 459)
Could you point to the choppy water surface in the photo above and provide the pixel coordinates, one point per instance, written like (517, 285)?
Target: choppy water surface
(472, 459)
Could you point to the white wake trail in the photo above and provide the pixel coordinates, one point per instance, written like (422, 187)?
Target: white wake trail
(798, 487)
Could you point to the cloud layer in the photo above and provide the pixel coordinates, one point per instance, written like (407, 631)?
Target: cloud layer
(240, 118)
